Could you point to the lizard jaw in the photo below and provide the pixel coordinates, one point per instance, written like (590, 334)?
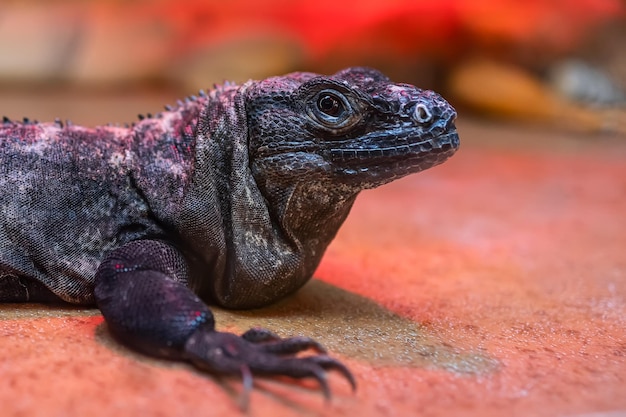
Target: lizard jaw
(372, 167)
(410, 149)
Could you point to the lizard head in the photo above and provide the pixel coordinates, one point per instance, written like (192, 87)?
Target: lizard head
(353, 130)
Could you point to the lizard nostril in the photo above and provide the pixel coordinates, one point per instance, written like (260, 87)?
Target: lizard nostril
(422, 113)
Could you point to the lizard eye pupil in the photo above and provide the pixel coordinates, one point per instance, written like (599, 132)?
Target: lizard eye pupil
(330, 105)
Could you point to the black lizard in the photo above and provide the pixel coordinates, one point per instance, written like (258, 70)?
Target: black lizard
(231, 197)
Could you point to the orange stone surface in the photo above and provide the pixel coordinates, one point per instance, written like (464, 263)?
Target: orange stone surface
(493, 285)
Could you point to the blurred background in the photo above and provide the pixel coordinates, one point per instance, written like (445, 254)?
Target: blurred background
(558, 62)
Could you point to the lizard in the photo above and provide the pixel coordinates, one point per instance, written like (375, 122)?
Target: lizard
(231, 197)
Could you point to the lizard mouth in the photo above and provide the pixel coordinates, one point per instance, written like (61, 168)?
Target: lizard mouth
(369, 167)
(409, 148)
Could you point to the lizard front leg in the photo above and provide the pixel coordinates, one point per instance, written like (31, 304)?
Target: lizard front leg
(142, 293)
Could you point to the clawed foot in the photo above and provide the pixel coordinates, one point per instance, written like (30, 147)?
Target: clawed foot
(259, 351)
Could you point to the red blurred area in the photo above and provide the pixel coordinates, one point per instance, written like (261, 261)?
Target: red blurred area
(404, 26)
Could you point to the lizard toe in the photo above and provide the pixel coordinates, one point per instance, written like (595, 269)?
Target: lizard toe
(227, 353)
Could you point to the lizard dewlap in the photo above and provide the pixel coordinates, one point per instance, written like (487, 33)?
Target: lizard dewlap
(231, 198)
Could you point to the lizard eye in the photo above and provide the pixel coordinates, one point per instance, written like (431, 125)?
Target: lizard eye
(331, 108)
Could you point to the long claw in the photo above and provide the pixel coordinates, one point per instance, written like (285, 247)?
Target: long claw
(326, 362)
(323, 381)
(261, 352)
(247, 382)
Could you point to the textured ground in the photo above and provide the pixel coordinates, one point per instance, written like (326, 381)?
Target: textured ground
(492, 285)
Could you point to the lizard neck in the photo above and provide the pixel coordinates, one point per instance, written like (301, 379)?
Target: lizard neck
(256, 242)
(308, 214)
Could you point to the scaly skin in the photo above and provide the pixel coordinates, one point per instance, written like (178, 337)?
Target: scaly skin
(231, 198)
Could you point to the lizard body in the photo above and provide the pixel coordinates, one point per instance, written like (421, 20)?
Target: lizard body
(231, 197)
